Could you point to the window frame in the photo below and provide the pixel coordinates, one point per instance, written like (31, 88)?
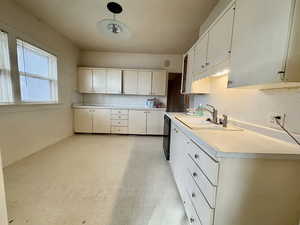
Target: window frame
(18, 105)
(13, 97)
(54, 85)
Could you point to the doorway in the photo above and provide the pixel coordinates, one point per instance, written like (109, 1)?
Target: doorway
(176, 100)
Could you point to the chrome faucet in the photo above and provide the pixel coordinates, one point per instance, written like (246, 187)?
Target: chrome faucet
(214, 113)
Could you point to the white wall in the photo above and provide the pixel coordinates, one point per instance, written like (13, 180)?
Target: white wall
(130, 60)
(27, 129)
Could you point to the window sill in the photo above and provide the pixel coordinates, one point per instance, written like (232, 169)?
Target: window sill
(30, 104)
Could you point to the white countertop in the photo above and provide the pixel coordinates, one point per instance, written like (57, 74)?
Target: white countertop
(239, 144)
(95, 106)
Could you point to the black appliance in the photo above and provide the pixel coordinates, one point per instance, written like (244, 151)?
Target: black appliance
(167, 137)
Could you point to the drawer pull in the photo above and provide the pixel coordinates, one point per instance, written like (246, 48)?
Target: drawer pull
(193, 195)
(196, 156)
(195, 174)
(192, 220)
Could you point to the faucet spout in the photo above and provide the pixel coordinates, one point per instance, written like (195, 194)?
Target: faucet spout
(213, 112)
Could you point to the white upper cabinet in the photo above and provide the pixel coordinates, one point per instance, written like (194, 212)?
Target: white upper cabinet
(189, 72)
(201, 54)
(155, 122)
(99, 80)
(85, 80)
(260, 43)
(130, 82)
(137, 122)
(220, 38)
(159, 83)
(114, 81)
(144, 82)
(101, 120)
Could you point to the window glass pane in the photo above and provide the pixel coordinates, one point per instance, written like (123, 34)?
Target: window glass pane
(6, 95)
(35, 89)
(38, 73)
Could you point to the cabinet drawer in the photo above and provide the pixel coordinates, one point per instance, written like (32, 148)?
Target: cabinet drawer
(119, 117)
(204, 211)
(119, 130)
(191, 213)
(119, 123)
(207, 189)
(119, 111)
(209, 167)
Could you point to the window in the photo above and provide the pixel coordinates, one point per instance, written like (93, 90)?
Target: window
(38, 74)
(6, 95)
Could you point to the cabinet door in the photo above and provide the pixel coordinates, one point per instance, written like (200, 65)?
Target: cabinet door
(260, 40)
(220, 37)
(101, 120)
(99, 80)
(155, 122)
(114, 81)
(137, 122)
(85, 80)
(190, 67)
(83, 120)
(130, 82)
(159, 82)
(201, 54)
(144, 82)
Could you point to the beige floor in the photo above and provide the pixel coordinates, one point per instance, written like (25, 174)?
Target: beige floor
(94, 180)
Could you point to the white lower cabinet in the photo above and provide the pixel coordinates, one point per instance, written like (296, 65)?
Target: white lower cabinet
(92, 120)
(233, 190)
(101, 121)
(137, 122)
(83, 120)
(155, 122)
(118, 121)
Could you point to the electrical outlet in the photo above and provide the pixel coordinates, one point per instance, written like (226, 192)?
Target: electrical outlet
(272, 120)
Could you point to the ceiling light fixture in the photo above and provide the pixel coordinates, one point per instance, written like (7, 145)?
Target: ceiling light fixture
(113, 28)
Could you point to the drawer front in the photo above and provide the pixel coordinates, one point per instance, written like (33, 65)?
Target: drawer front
(191, 212)
(209, 167)
(119, 117)
(207, 189)
(119, 123)
(119, 111)
(119, 130)
(204, 211)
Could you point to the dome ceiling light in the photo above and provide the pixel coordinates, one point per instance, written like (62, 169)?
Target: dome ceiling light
(113, 28)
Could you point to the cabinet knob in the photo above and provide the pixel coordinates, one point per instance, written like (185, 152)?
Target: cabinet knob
(207, 63)
(195, 174)
(192, 220)
(193, 195)
(196, 156)
(202, 66)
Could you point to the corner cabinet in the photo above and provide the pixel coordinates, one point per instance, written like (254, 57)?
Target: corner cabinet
(261, 47)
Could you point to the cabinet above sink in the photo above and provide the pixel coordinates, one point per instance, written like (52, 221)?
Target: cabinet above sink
(255, 43)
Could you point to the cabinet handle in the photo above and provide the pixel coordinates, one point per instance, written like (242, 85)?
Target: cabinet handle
(207, 63)
(202, 66)
(193, 195)
(196, 156)
(195, 174)
(192, 220)
(188, 142)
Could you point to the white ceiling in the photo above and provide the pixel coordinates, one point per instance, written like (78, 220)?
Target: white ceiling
(157, 26)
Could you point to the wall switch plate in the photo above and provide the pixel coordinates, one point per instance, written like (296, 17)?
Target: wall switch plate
(272, 120)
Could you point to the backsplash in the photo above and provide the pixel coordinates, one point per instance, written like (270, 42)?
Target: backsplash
(128, 100)
(253, 106)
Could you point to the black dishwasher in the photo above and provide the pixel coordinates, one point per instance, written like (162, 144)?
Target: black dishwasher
(167, 137)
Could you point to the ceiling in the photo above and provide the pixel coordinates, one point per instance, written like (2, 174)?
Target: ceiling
(157, 26)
